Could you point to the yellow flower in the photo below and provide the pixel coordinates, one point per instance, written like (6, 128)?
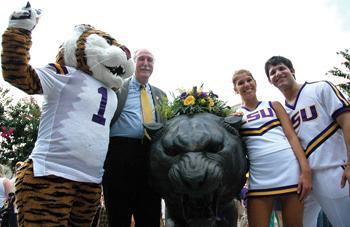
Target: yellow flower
(211, 102)
(189, 100)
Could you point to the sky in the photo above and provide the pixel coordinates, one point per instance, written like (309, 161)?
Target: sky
(201, 41)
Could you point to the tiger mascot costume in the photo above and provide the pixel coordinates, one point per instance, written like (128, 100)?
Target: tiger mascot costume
(60, 183)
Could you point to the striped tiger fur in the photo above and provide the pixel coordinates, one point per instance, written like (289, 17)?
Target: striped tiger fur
(15, 57)
(59, 202)
(80, 48)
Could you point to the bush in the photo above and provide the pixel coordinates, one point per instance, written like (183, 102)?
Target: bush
(19, 123)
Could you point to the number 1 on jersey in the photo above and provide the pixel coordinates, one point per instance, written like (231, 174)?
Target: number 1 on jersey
(98, 118)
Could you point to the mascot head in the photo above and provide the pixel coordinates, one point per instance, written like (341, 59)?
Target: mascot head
(97, 54)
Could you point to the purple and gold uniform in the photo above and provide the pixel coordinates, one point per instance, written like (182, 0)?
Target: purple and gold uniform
(313, 115)
(274, 169)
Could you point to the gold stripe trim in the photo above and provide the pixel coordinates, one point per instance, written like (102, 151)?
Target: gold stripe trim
(338, 94)
(276, 192)
(59, 69)
(321, 138)
(259, 131)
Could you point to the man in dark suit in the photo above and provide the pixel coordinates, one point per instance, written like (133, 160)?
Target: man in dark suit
(125, 182)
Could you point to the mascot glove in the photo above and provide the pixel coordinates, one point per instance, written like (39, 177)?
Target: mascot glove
(26, 18)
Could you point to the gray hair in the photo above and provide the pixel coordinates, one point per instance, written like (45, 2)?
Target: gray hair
(136, 53)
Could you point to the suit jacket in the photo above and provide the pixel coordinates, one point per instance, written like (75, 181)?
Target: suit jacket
(122, 93)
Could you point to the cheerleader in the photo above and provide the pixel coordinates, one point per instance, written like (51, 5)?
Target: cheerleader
(278, 166)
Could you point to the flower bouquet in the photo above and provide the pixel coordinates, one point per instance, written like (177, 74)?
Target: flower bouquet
(194, 101)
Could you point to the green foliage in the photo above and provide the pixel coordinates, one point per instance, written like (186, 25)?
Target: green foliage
(194, 101)
(19, 124)
(343, 73)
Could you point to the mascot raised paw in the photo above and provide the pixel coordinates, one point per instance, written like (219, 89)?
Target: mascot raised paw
(59, 185)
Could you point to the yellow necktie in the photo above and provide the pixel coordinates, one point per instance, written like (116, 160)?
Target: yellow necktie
(146, 108)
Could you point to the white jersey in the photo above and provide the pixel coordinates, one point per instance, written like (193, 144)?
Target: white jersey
(313, 116)
(73, 133)
(262, 131)
(273, 169)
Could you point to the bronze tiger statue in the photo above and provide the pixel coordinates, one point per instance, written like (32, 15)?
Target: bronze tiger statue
(198, 164)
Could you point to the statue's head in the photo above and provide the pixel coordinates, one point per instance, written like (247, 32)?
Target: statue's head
(199, 160)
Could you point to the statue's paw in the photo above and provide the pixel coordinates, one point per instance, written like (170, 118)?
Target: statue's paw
(25, 18)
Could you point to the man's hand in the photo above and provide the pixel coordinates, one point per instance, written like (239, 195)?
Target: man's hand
(238, 113)
(305, 184)
(346, 177)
